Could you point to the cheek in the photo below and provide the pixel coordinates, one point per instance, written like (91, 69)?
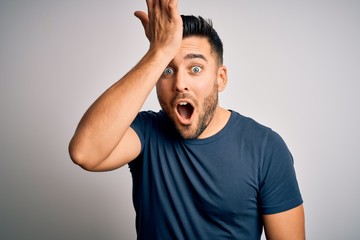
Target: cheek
(204, 88)
(163, 89)
(164, 83)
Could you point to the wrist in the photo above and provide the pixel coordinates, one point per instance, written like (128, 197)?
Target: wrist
(161, 55)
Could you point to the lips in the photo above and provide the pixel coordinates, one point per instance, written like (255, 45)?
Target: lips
(184, 111)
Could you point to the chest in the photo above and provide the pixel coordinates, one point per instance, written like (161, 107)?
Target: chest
(216, 182)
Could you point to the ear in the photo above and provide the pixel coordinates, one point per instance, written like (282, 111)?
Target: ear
(222, 78)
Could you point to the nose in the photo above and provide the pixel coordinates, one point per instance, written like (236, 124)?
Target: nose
(180, 82)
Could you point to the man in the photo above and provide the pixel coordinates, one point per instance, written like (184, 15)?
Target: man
(199, 171)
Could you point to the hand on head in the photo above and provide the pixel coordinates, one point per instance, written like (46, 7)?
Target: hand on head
(162, 24)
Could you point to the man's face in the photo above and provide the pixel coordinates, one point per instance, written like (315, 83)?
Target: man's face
(188, 88)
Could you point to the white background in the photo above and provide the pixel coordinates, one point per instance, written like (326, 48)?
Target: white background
(293, 66)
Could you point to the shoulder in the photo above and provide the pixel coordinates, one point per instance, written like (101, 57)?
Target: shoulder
(149, 124)
(248, 127)
(253, 133)
(148, 115)
(246, 122)
(146, 118)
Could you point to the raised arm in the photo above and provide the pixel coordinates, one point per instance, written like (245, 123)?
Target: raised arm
(103, 139)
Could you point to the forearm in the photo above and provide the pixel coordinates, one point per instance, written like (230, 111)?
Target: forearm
(106, 121)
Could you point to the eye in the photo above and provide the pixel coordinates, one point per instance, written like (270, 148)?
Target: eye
(168, 71)
(196, 69)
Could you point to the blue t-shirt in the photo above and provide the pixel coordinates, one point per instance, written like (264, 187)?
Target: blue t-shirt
(212, 188)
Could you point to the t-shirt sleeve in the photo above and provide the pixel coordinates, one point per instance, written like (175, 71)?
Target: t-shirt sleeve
(139, 125)
(279, 190)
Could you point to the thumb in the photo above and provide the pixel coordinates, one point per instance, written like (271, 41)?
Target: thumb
(143, 17)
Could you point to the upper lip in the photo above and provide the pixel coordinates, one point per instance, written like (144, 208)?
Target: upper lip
(183, 102)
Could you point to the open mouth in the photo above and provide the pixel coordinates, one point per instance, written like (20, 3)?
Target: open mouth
(185, 111)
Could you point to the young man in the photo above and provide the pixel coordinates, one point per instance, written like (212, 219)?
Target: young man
(199, 171)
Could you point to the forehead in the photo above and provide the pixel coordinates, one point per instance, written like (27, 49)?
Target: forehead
(195, 45)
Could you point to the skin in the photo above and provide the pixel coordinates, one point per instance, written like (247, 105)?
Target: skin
(94, 145)
(194, 77)
(288, 225)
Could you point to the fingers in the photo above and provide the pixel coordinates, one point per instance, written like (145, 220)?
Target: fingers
(162, 24)
(165, 6)
(150, 4)
(173, 7)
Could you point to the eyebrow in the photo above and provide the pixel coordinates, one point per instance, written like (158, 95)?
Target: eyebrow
(194, 55)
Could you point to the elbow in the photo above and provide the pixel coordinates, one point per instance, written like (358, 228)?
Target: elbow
(80, 157)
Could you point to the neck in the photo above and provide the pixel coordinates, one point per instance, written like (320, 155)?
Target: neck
(218, 122)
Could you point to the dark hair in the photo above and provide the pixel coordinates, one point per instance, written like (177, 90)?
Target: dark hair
(198, 26)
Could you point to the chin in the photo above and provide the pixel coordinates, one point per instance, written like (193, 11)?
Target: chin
(191, 131)
(187, 136)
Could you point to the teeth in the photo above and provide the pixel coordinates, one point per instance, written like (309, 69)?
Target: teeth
(183, 103)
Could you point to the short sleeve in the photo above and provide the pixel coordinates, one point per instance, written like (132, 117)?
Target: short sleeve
(279, 190)
(139, 125)
(143, 125)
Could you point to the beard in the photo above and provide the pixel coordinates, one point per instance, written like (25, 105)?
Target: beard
(195, 129)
